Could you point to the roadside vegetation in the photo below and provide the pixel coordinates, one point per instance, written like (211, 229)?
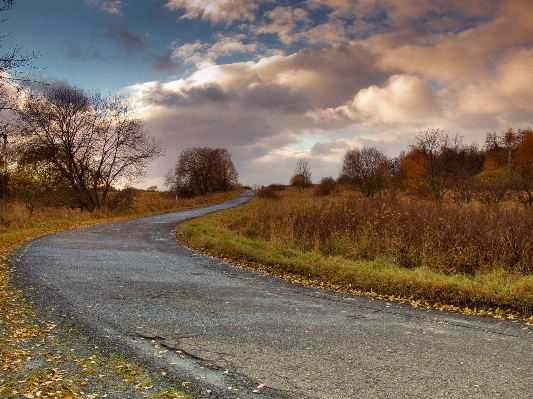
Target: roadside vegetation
(444, 225)
(48, 358)
(470, 259)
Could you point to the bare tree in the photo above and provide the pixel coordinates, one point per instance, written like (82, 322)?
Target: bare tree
(91, 141)
(461, 165)
(368, 169)
(500, 149)
(201, 170)
(12, 66)
(302, 173)
(428, 154)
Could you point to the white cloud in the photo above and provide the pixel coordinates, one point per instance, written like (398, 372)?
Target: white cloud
(200, 54)
(284, 22)
(404, 99)
(217, 10)
(113, 7)
(418, 69)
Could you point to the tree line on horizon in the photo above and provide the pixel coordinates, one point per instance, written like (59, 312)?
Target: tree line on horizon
(438, 166)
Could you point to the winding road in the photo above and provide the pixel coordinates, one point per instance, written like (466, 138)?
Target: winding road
(233, 333)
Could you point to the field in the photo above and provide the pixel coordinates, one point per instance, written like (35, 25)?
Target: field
(41, 358)
(470, 258)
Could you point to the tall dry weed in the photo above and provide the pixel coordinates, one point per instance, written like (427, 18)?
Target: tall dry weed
(15, 215)
(448, 238)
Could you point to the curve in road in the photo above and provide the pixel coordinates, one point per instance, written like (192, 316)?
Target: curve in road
(234, 333)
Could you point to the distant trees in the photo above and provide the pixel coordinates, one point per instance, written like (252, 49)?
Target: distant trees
(368, 169)
(201, 170)
(86, 141)
(428, 158)
(302, 174)
(509, 163)
(439, 165)
(523, 168)
(438, 162)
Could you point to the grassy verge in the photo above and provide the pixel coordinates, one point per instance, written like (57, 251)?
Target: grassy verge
(43, 360)
(232, 235)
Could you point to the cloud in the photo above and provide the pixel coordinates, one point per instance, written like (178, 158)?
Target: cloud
(254, 108)
(509, 90)
(284, 21)
(326, 149)
(199, 53)
(113, 7)
(164, 62)
(368, 73)
(217, 10)
(404, 99)
(230, 45)
(76, 53)
(125, 38)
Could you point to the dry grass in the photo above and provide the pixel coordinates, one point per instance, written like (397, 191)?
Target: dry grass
(40, 359)
(468, 256)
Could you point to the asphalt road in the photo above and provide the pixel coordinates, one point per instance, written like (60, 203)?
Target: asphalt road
(233, 333)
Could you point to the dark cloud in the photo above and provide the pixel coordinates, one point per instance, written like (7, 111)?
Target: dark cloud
(125, 38)
(76, 53)
(195, 96)
(162, 63)
(275, 98)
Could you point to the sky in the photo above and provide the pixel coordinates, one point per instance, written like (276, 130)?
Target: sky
(277, 81)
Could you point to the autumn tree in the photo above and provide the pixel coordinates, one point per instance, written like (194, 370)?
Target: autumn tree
(500, 149)
(368, 169)
(505, 167)
(302, 174)
(90, 141)
(522, 171)
(492, 186)
(36, 183)
(461, 165)
(200, 170)
(428, 162)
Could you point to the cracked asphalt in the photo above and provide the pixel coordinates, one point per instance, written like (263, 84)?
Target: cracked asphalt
(232, 333)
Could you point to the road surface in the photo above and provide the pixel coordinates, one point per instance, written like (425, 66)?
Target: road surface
(232, 333)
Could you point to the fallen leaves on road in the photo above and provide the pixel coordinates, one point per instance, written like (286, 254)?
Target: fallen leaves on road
(498, 313)
(40, 359)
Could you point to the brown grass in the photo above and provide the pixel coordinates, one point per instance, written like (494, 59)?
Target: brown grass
(410, 233)
(460, 255)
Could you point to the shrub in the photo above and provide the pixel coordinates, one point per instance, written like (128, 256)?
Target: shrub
(326, 186)
(277, 187)
(122, 199)
(268, 192)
